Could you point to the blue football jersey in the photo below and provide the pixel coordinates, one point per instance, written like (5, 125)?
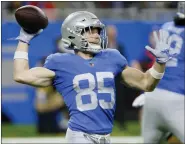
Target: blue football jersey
(88, 88)
(173, 79)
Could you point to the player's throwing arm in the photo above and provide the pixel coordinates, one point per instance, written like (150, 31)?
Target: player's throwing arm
(37, 76)
(147, 81)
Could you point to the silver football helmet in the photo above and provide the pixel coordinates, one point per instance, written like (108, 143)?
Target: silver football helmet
(75, 25)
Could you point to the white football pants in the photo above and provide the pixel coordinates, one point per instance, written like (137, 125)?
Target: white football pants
(81, 137)
(163, 112)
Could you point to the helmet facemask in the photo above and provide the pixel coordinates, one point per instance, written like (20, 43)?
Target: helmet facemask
(92, 47)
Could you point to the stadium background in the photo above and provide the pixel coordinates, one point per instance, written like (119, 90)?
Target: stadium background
(134, 22)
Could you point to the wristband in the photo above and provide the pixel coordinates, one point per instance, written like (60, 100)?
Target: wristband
(156, 74)
(21, 55)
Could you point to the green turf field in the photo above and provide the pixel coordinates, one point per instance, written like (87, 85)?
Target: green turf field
(132, 129)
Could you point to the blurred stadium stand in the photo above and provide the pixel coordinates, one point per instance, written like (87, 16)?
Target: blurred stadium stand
(153, 11)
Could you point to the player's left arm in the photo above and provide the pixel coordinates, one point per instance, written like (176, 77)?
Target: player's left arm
(143, 81)
(148, 81)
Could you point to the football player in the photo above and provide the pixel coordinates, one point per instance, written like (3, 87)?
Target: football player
(164, 107)
(86, 79)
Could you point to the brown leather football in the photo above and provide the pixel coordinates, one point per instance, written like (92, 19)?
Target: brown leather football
(31, 18)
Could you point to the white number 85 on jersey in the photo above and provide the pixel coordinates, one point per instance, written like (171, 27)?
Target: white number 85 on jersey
(100, 76)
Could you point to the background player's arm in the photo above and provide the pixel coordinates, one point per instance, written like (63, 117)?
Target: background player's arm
(143, 81)
(37, 76)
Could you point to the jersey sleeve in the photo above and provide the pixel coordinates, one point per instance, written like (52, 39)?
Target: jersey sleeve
(50, 63)
(120, 60)
(53, 63)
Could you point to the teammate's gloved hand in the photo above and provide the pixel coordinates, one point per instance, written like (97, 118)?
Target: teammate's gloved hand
(162, 51)
(25, 37)
(139, 101)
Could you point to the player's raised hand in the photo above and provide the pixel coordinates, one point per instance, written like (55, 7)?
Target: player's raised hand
(32, 21)
(162, 51)
(26, 37)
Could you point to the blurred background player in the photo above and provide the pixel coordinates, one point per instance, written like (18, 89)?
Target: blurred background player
(112, 42)
(164, 108)
(91, 113)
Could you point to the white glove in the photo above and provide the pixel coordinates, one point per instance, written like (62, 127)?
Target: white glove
(25, 37)
(139, 101)
(162, 51)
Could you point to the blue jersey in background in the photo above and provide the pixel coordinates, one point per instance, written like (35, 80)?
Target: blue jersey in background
(173, 79)
(88, 88)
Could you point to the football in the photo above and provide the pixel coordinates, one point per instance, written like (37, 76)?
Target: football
(31, 18)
